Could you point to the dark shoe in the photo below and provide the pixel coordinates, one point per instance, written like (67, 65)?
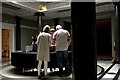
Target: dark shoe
(67, 72)
(40, 77)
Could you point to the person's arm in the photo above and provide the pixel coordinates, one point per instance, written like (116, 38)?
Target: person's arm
(37, 39)
(68, 38)
(54, 39)
(50, 40)
(53, 42)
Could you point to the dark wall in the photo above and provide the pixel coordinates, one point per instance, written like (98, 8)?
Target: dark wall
(104, 38)
(11, 19)
(67, 26)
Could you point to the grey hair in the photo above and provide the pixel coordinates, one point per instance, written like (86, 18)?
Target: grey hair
(46, 28)
(58, 27)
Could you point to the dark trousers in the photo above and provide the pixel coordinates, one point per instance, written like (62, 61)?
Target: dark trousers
(62, 56)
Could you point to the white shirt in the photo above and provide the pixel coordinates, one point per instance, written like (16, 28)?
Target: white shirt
(61, 37)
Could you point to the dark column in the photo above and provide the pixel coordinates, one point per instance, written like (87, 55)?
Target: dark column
(84, 51)
(18, 33)
(56, 22)
(39, 20)
(117, 32)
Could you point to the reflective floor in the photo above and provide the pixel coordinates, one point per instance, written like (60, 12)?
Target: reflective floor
(112, 72)
(8, 72)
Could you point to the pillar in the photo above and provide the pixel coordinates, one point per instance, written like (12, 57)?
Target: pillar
(39, 20)
(117, 32)
(83, 34)
(18, 33)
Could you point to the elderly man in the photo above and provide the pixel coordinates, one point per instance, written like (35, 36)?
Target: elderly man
(61, 39)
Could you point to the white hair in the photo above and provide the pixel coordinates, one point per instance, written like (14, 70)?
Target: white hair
(46, 26)
(52, 29)
(58, 27)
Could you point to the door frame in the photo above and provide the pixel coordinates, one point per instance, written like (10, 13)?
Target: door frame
(11, 27)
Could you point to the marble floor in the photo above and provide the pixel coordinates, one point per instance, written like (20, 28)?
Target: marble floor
(111, 72)
(7, 72)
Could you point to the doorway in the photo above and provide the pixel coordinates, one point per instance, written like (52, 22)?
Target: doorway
(104, 39)
(5, 44)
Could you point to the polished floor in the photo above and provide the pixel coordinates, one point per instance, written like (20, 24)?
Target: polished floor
(112, 72)
(8, 72)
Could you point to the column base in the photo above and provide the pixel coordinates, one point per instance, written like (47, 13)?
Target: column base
(116, 61)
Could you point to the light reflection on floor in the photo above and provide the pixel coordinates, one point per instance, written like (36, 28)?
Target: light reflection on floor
(112, 72)
(9, 72)
(105, 64)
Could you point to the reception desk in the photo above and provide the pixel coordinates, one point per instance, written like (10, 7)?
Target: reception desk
(28, 60)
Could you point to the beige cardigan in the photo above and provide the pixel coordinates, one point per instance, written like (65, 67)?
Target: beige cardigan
(43, 42)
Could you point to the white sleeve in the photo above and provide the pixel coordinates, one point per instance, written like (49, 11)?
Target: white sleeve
(37, 39)
(50, 38)
(68, 33)
(54, 35)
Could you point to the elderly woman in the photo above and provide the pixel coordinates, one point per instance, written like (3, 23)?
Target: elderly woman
(43, 51)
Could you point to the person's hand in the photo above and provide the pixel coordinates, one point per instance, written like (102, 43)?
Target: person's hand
(69, 43)
(69, 40)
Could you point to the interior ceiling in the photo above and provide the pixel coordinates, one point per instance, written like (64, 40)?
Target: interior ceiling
(55, 9)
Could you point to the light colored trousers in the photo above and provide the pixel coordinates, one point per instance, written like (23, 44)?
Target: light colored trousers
(45, 67)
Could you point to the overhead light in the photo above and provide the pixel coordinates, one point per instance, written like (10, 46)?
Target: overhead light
(104, 0)
(42, 8)
(13, 1)
(50, 0)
